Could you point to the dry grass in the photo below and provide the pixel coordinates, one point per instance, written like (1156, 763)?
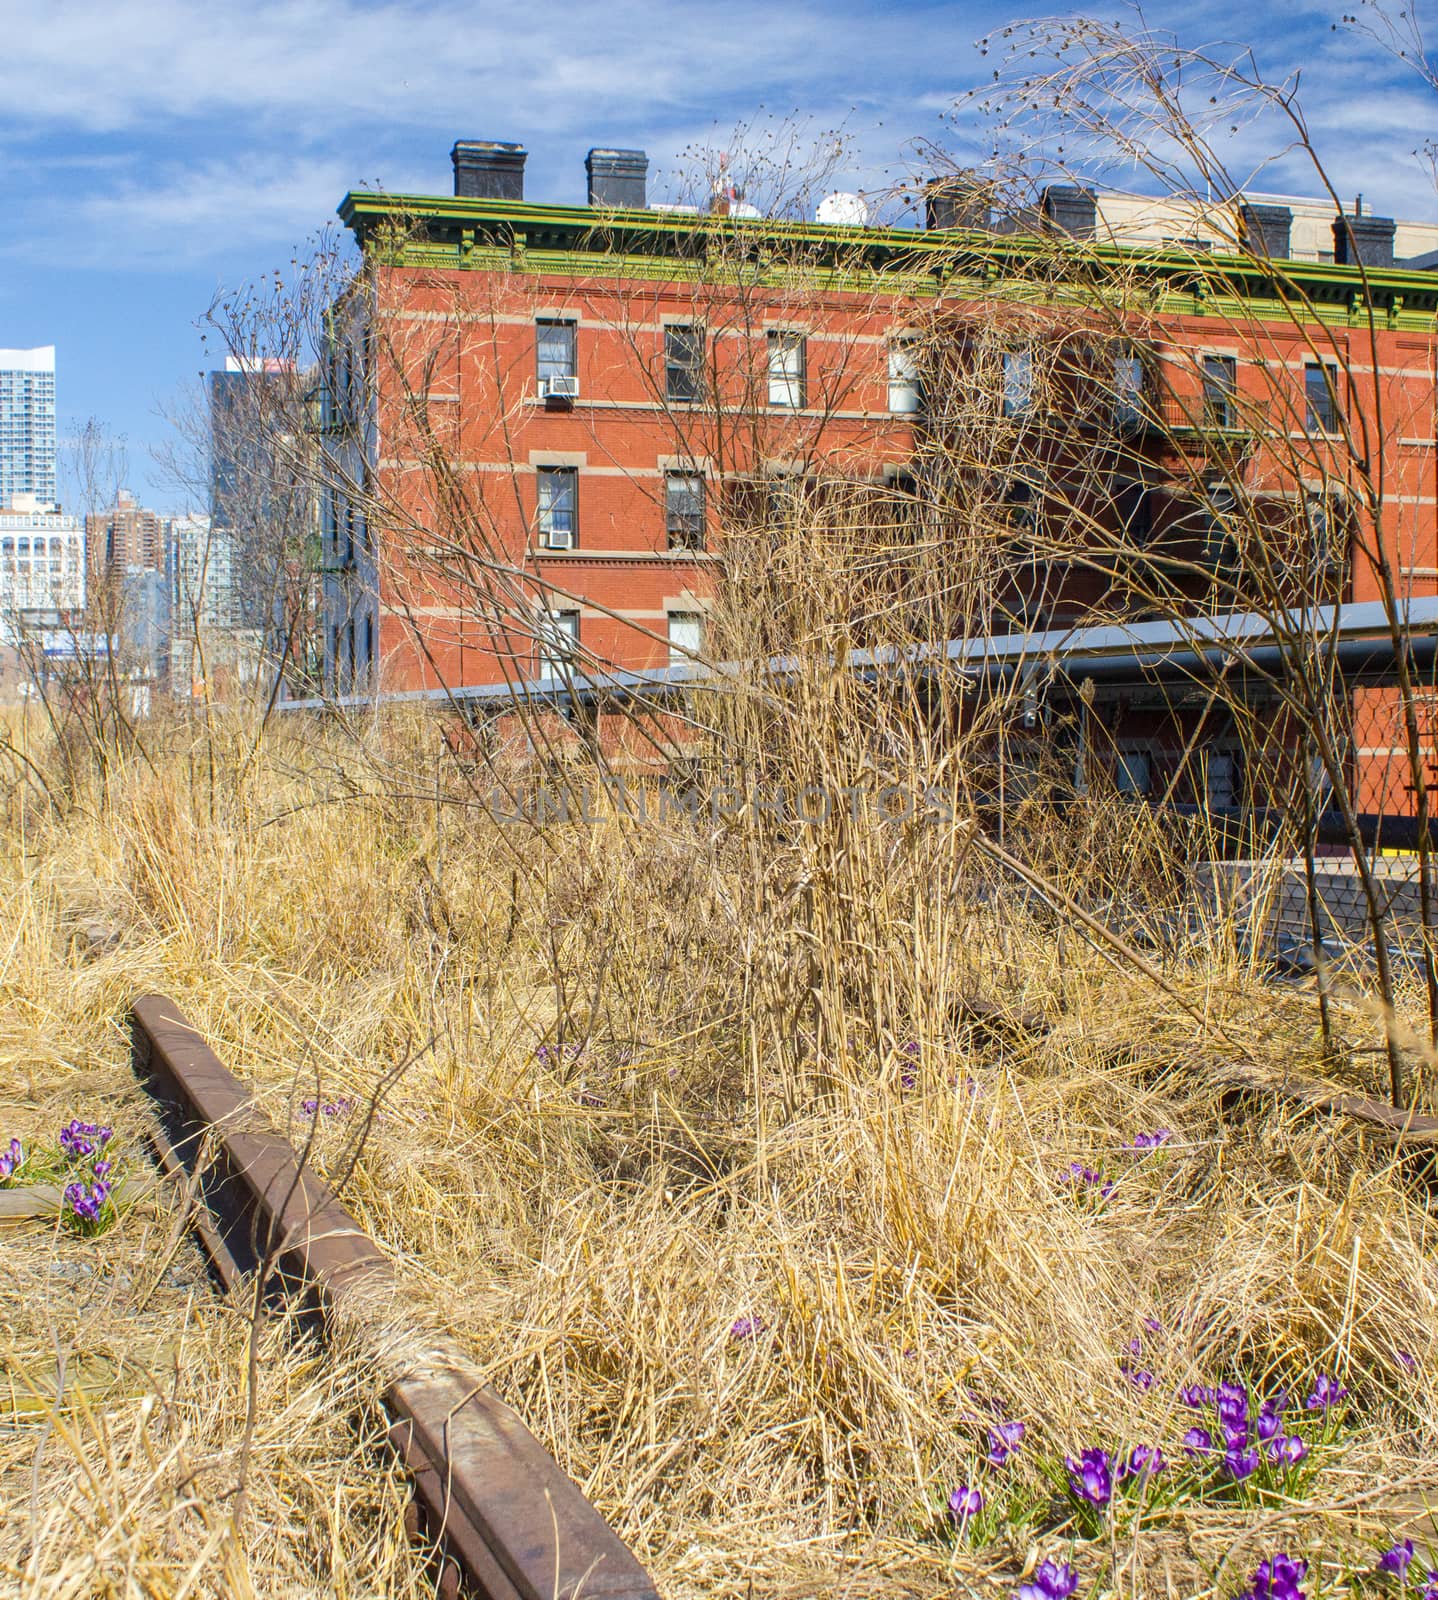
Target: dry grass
(736, 1138)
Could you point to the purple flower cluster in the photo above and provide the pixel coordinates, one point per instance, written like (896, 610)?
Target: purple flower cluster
(1091, 1477)
(1395, 1562)
(87, 1201)
(1054, 1580)
(556, 1052)
(1151, 1141)
(1326, 1393)
(1277, 1578)
(327, 1108)
(1244, 1437)
(11, 1161)
(746, 1327)
(80, 1140)
(1004, 1438)
(1085, 1177)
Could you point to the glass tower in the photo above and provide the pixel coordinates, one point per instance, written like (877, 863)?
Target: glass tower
(27, 424)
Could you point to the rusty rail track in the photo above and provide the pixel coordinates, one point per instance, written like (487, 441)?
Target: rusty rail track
(510, 1524)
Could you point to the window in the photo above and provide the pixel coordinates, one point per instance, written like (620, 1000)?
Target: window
(1133, 506)
(686, 636)
(557, 639)
(684, 510)
(1127, 390)
(906, 394)
(1133, 772)
(683, 364)
(1320, 389)
(1220, 542)
(1220, 779)
(554, 346)
(1220, 389)
(558, 508)
(1326, 528)
(786, 369)
(1018, 381)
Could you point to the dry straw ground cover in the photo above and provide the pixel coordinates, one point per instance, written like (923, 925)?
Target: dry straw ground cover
(777, 1177)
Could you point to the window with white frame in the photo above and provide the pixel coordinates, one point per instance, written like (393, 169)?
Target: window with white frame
(1320, 390)
(684, 509)
(1127, 389)
(558, 507)
(557, 642)
(786, 369)
(683, 364)
(906, 394)
(686, 636)
(554, 343)
(1018, 381)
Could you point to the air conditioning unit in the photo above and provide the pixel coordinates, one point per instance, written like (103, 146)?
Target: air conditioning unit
(556, 539)
(559, 388)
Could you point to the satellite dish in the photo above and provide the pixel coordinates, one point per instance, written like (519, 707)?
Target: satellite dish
(843, 209)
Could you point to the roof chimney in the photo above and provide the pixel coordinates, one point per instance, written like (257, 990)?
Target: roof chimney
(1267, 230)
(617, 178)
(1071, 209)
(1363, 241)
(960, 201)
(486, 169)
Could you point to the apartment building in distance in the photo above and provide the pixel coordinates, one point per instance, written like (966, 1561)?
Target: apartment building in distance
(127, 537)
(27, 424)
(565, 361)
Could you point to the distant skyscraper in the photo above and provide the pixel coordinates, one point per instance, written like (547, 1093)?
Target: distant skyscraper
(27, 424)
(126, 538)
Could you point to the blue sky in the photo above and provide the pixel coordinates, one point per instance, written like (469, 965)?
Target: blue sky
(154, 151)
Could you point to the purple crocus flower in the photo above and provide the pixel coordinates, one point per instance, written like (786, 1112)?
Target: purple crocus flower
(910, 1048)
(1277, 1579)
(87, 1201)
(1198, 1442)
(1140, 1377)
(1145, 1460)
(1153, 1325)
(1054, 1580)
(1240, 1464)
(1196, 1396)
(1287, 1451)
(746, 1327)
(1326, 1393)
(1270, 1421)
(11, 1160)
(77, 1139)
(907, 1079)
(1232, 1406)
(1004, 1439)
(1430, 1589)
(1151, 1141)
(1408, 1361)
(1091, 1477)
(102, 1169)
(1396, 1560)
(964, 1503)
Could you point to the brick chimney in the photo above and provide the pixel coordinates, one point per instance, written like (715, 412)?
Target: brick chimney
(1070, 209)
(960, 201)
(486, 169)
(617, 178)
(1363, 241)
(1267, 230)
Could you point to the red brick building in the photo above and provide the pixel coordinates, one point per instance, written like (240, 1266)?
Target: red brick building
(547, 404)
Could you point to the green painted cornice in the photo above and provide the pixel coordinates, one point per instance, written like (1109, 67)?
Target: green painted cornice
(447, 232)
